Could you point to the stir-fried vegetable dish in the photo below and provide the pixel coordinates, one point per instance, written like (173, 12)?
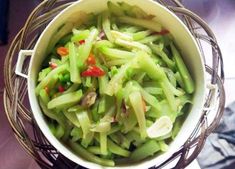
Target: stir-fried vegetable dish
(115, 88)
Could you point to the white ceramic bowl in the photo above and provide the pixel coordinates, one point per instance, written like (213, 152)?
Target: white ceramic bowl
(184, 41)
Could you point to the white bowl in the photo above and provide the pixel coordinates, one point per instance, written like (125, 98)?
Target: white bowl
(185, 42)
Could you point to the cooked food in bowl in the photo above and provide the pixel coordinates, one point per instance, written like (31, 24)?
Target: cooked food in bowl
(115, 89)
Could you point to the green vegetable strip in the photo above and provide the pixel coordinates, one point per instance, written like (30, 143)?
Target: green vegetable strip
(59, 132)
(107, 26)
(74, 70)
(129, 122)
(132, 45)
(120, 35)
(153, 90)
(88, 45)
(88, 140)
(52, 83)
(169, 95)
(179, 79)
(137, 104)
(50, 75)
(147, 149)
(102, 126)
(75, 108)
(103, 43)
(65, 100)
(134, 137)
(71, 116)
(163, 146)
(95, 115)
(152, 25)
(99, 23)
(85, 125)
(80, 35)
(52, 128)
(116, 82)
(157, 73)
(141, 35)
(147, 64)
(76, 134)
(120, 139)
(103, 143)
(131, 29)
(149, 123)
(112, 53)
(44, 73)
(115, 27)
(102, 83)
(139, 77)
(89, 156)
(49, 113)
(44, 96)
(84, 122)
(175, 91)
(187, 79)
(171, 76)
(101, 108)
(72, 88)
(150, 39)
(119, 99)
(151, 100)
(114, 129)
(156, 49)
(117, 62)
(94, 150)
(115, 149)
(88, 82)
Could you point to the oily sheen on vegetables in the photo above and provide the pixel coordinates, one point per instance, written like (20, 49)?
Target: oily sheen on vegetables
(115, 89)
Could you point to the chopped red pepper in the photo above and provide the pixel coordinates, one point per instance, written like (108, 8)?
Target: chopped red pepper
(53, 65)
(82, 42)
(47, 89)
(91, 59)
(93, 71)
(162, 32)
(62, 51)
(61, 88)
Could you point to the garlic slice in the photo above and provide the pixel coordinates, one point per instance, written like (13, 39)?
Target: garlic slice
(161, 127)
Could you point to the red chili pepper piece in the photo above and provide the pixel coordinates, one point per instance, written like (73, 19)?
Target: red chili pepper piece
(53, 65)
(62, 51)
(93, 71)
(163, 32)
(61, 89)
(82, 42)
(91, 59)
